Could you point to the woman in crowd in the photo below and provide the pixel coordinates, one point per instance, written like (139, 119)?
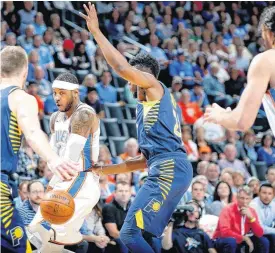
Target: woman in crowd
(266, 153)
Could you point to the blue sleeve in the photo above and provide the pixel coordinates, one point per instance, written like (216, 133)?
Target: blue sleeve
(49, 57)
(207, 88)
(261, 156)
(208, 244)
(205, 101)
(173, 69)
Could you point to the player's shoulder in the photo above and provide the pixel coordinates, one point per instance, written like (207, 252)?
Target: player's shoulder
(85, 110)
(265, 57)
(21, 98)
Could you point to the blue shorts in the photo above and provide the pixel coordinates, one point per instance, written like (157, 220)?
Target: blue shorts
(169, 177)
(13, 235)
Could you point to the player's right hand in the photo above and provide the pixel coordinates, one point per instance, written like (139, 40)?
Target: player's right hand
(64, 169)
(91, 17)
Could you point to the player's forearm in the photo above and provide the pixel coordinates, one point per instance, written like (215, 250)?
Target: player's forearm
(128, 166)
(114, 58)
(233, 121)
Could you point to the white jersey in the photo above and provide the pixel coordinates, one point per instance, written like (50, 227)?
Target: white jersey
(269, 107)
(59, 138)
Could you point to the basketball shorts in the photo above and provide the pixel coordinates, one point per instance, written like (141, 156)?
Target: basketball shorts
(13, 234)
(86, 192)
(169, 177)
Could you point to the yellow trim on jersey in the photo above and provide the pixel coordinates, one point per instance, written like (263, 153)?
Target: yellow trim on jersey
(139, 219)
(147, 106)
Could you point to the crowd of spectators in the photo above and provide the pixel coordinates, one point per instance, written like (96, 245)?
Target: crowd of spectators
(204, 49)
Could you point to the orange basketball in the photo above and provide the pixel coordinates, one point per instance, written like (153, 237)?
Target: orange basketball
(57, 207)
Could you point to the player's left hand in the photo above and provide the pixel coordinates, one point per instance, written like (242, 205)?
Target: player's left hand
(214, 113)
(91, 18)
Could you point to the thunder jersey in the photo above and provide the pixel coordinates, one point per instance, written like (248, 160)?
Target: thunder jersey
(158, 126)
(62, 130)
(269, 107)
(10, 134)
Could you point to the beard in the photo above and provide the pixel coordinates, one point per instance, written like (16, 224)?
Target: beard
(69, 105)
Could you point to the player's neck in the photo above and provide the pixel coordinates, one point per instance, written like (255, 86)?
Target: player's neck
(12, 81)
(72, 109)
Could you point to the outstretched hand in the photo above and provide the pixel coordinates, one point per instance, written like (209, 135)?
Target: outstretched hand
(91, 18)
(214, 113)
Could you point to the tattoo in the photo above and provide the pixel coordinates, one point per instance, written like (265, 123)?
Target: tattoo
(82, 122)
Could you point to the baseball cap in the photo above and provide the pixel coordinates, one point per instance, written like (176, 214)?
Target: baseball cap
(205, 149)
(177, 79)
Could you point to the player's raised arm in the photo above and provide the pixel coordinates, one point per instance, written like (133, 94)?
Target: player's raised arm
(134, 164)
(244, 115)
(114, 57)
(26, 110)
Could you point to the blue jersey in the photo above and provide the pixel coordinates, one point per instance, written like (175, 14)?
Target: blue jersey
(158, 126)
(10, 134)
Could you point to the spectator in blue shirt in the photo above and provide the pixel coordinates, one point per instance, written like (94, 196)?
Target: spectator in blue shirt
(26, 15)
(266, 153)
(199, 96)
(179, 19)
(27, 38)
(39, 25)
(107, 93)
(182, 68)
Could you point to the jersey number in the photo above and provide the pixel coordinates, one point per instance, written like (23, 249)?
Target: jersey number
(177, 130)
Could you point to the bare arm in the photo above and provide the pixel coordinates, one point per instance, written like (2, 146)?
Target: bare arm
(117, 61)
(167, 238)
(112, 230)
(244, 115)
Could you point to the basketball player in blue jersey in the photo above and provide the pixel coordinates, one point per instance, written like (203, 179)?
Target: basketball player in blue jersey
(260, 85)
(19, 115)
(159, 137)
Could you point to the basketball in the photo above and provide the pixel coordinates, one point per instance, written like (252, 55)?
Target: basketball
(57, 207)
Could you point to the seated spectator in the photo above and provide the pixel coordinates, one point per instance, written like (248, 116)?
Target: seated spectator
(10, 15)
(99, 64)
(30, 206)
(44, 86)
(233, 138)
(254, 184)
(212, 174)
(266, 153)
(186, 237)
(190, 146)
(46, 177)
(41, 167)
(231, 161)
(93, 101)
(60, 32)
(237, 220)
(32, 89)
(199, 96)
(205, 153)
(265, 208)
(249, 140)
(39, 24)
(50, 106)
(215, 89)
(114, 214)
(48, 40)
(83, 61)
(27, 38)
(176, 87)
(201, 66)
(27, 15)
(115, 26)
(106, 92)
(89, 81)
(242, 62)
(190, 110)
(202, 167)
(94, 232)
(90, 47)
(27, 161)
(227, 176)
(222, 197)
(131, 149)
(33, 62)
(182, 68)
(238, 179)
(22, 193)
(270, 175)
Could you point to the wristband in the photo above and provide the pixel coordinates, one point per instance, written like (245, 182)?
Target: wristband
(252, 220)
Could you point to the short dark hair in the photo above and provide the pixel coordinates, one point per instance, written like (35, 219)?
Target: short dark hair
(266, 185)
(91, 89)
(268, 19)
(33, 182)
(147, 61)
(67, 77)
(263, 138)
(123, 183)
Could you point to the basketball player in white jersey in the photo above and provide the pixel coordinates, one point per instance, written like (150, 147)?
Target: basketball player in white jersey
(75, 136)
(260, 85)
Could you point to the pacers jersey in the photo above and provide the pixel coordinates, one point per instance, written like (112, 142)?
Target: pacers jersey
(62, 129)
(158, 126)
(10, 134)
(269, 107)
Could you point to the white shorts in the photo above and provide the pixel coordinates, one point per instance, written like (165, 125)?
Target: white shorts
(86, 192)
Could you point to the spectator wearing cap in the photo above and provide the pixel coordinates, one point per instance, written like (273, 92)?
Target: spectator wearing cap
(199, 96)
(64, 57)
(39, 24)
(205, 153)
(254, 184)
(27, 38)
(265, 208)
(182, 68)
(92, 100)
(27, 15)
(190, 110)
(214, 88)
(237, 220)
(176, 87)
(45, 57)
(106, 92)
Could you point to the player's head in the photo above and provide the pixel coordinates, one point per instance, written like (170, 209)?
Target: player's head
(65, 91)
(14, 64)
(267, 27)
(146, 63)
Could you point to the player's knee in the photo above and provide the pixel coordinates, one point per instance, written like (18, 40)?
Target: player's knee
(128, 234)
